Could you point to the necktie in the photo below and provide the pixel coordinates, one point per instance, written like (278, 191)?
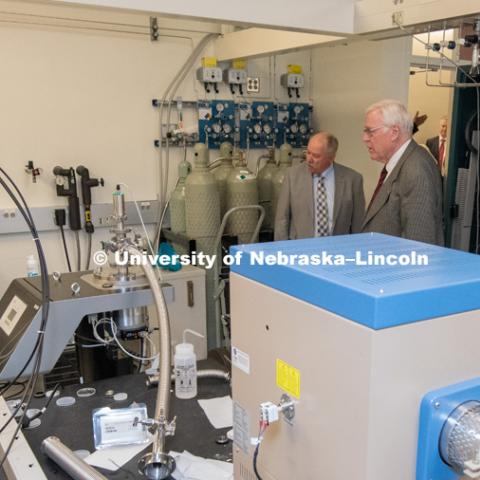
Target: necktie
(381, 179)
(322, 209)
(441, 155)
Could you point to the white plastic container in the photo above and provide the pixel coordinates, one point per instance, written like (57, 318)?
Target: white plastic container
(185, 367)
(33, 269)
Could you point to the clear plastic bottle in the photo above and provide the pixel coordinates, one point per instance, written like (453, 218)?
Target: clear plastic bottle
(33, 269)
(185, 366)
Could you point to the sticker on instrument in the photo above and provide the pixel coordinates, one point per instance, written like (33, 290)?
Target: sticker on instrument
(288, 378)
(12, 314)
(241, 360)
(241, 436)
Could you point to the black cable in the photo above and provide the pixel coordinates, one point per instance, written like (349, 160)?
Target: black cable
(45, 285)
(38, 347)
(263, 427)
(142, 345)
(12, 395)
(468, 133)
(92, 340)
(16, 383)
(26, 420)
(255, 455)
(65, 248)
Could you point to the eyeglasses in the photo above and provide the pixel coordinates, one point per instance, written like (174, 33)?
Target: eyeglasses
(369, 131)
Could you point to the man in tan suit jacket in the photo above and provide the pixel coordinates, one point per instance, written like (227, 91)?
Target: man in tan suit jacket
(300, 204)
(408, 199)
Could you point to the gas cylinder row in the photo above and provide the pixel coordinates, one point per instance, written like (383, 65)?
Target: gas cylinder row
(205, 193)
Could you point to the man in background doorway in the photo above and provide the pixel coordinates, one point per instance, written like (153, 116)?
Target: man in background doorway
(320, 197)
(438, 146)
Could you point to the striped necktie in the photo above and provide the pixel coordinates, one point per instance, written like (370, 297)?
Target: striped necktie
(322, 209)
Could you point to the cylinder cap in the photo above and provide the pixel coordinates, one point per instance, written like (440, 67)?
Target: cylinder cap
(201, 155)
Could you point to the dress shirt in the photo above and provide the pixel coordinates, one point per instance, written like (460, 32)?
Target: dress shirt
(392, 163)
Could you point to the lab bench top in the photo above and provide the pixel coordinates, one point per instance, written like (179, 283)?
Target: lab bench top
(73, 425)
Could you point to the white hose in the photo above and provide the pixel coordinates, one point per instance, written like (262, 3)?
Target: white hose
(174, 84)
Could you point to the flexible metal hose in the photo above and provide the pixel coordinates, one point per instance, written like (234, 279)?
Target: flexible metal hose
(163, 393)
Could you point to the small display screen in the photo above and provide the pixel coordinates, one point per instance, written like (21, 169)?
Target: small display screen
(12, 314)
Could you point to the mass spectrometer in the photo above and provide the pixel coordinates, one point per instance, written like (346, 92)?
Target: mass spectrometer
(352, 359)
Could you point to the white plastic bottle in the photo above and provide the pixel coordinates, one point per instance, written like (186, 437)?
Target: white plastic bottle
(185, 366)
(33, 269)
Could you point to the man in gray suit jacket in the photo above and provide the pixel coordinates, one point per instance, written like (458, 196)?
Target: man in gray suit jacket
(437, 145)
(319, 197)
(408, 199)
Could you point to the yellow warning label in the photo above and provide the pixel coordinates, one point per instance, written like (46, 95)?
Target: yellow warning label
(294, 69)
(239, 64)
(288, 378)
(209, 62)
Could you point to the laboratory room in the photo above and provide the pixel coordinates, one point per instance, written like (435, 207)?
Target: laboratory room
(239, 243)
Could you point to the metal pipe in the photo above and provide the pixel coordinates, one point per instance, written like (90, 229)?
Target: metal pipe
(163, 182)
(269, 155)
(205, 373)
(68, 461)
(217, 263)
(159, 465)
(218, 160)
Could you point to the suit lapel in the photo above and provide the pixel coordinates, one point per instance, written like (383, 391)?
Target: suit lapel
(338, 195)
(386, 189)
(307, 196)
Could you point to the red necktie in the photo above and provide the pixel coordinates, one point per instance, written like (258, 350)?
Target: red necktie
(441, 155)
(381, 179)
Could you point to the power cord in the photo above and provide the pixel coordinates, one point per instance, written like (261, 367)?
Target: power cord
(60, 221)
(36, 353)
(263, 427)
(26, 420)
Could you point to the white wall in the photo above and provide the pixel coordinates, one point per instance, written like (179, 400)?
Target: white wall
(76, 96)
(346, 80)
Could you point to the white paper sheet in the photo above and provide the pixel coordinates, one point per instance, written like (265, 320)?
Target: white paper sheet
(114, 457)
(191, 467)
(219, 411)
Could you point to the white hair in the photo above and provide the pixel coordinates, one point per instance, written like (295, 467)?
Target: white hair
(394, 113)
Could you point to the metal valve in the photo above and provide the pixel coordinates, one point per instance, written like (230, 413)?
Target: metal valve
(153, 425)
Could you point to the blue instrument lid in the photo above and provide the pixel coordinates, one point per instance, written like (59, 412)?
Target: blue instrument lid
(378, 296)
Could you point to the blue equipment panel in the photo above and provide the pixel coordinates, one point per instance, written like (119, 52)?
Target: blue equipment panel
(293, 124)
(378, 296)
(216, 122)
(257, 124)
(435, 408)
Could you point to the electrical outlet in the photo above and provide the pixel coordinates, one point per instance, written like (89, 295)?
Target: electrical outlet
(9, 213)
(253, 84)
